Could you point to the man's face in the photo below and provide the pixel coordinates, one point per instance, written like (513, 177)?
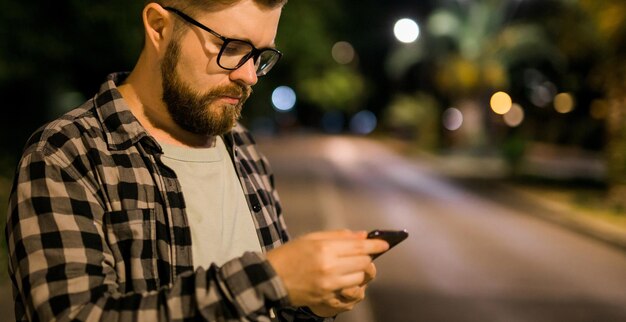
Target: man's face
(201, 97)
(203, 113)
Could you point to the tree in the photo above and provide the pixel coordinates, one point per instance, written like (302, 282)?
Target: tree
(308, 30)
(592, 34)
(471, 49)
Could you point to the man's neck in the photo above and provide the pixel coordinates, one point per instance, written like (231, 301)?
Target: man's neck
(142, 92)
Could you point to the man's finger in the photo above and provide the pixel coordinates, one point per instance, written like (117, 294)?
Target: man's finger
(352, 294)
(357, 247)
(349, 280)
(352, 264)
(336, 234)
(370, 273)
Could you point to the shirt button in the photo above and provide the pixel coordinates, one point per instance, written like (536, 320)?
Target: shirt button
(256, 208)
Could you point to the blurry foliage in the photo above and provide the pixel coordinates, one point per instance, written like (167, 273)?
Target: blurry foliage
(416, 117)
(592, 34)
(336, 89)
(472, 48)
(307, 34)
(513, 150)
(469, 50)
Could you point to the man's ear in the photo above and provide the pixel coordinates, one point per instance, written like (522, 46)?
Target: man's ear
(159, 27)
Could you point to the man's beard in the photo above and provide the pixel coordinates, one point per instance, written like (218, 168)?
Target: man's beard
(195, 112)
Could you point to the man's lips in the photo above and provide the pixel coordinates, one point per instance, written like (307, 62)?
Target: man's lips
(231, 99)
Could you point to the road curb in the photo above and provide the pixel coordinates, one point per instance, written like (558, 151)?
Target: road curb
(575, 219)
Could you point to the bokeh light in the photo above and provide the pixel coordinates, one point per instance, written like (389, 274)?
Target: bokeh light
(343, 52)
(501, 102)
(283, 98)
(452, 119)
(515, 116)
(443, 23)
(564, 103)
(543, 94)
(363, 122)
(406, 30)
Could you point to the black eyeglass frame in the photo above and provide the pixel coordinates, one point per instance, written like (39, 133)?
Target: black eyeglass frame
(255, 53)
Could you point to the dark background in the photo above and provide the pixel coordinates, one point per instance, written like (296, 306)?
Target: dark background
(54, 55)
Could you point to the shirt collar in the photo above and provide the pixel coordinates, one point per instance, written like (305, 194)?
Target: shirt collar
(121, 128)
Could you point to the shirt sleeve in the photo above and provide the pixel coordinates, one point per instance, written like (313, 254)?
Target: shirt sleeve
(63, 269)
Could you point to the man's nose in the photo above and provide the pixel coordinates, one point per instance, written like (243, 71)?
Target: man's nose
(245, 74)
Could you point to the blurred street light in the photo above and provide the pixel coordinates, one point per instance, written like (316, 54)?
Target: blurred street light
(283, 98)
(406, 30)
(452, 119)
(501, 103)
(515, 116)
(363, 122)
(564, 103)
(343, 52)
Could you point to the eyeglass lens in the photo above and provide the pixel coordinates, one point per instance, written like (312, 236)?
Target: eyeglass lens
(235, 53)
(266, 61)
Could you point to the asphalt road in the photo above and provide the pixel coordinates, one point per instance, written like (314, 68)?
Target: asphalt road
(468, 256)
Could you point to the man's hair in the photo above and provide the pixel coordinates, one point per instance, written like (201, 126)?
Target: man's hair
(194, 6)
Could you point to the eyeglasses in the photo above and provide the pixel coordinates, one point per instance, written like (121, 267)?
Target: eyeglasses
(236, 52)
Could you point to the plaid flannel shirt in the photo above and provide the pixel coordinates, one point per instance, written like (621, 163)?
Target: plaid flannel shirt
(97, 228)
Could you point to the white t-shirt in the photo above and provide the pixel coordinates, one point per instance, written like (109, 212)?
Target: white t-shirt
(219, 218)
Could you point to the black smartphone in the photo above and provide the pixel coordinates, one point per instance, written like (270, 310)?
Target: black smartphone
(392, 237)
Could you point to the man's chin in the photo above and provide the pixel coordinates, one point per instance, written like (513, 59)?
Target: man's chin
(223, 129)
(224, 119)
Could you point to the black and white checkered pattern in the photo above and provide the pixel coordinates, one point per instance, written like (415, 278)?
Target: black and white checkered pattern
(97, 228)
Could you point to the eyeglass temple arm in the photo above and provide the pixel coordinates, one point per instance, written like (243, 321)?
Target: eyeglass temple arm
(194, 22)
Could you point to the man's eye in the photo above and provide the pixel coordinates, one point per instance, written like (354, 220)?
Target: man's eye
(237, 48)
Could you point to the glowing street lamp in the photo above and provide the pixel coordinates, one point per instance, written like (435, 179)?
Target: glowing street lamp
(501, 103)
(283, 98)
(406, 30)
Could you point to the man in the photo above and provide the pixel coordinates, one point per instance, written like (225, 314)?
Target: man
(149, 202)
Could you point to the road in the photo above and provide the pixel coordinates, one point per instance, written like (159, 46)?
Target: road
(468, 256)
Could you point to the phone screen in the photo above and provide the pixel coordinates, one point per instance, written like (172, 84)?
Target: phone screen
(392, 237)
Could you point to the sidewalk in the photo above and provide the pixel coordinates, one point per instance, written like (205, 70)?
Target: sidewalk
(595, 224)
(558, 204)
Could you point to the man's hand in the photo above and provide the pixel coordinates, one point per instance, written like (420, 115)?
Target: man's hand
(346, 298)
(327, 271)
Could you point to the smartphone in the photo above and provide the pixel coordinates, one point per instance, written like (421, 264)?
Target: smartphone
(392, 237)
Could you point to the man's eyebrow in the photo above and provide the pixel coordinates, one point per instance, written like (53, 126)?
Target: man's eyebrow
(271, 45)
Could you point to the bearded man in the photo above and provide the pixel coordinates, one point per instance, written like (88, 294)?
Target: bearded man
(150, 202)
